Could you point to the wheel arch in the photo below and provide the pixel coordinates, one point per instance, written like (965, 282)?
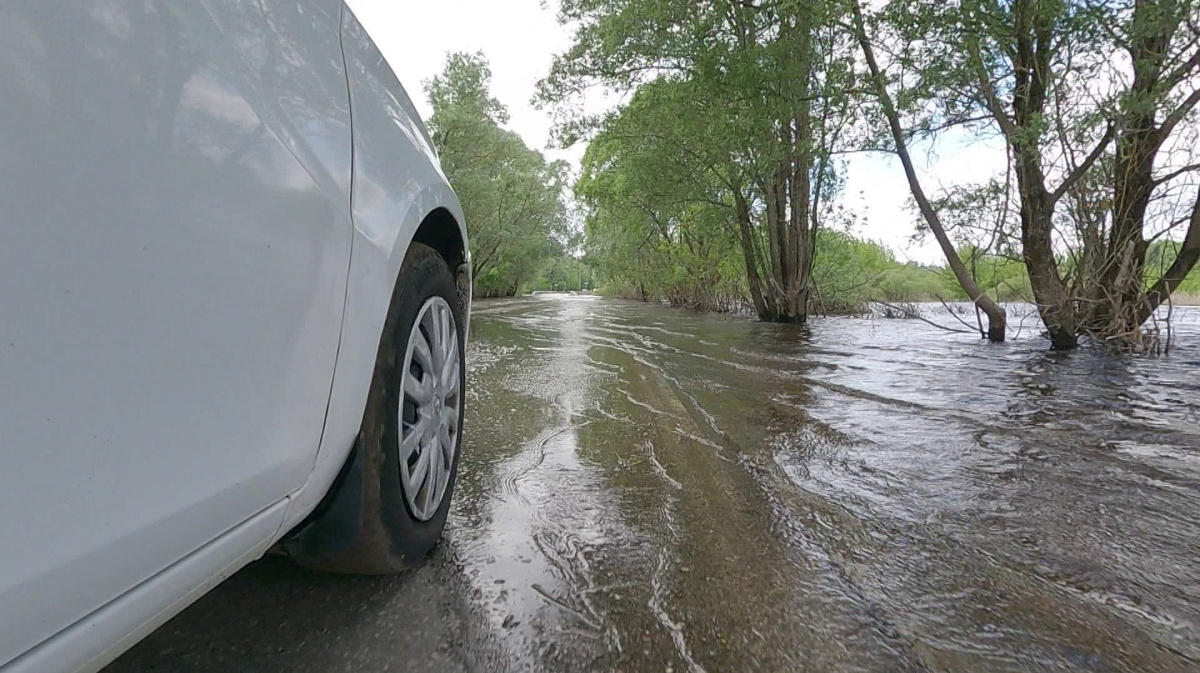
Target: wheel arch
(440, 231)
(446, 234)
(375, 273)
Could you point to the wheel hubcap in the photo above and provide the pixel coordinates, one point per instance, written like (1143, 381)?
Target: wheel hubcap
(429, 408)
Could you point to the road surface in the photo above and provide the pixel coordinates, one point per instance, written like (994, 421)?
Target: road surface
(646, 489)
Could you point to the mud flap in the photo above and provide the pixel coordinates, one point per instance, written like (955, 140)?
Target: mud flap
(333, 525)
(462, 283)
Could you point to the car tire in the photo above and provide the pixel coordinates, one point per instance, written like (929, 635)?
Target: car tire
(371, 523)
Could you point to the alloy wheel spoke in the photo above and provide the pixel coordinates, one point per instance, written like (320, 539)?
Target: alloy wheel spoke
(412, 442)
(432, 383)
(421, 351)
(420, 471)
(421, 391)
(450, 417)
(433, 323)
(446, 443)
(449, 374)
(435, 468)
(449, 337)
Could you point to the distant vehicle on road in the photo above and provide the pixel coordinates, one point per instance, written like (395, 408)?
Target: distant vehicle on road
(234, 292)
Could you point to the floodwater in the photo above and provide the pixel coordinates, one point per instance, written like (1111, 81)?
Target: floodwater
(646, 489)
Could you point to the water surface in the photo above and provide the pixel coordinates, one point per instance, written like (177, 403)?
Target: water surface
(650, 490)
(646, 489)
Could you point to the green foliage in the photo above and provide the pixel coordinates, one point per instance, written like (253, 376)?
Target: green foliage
(1002, 278)
(655, 225)
(565, 273)
(728, 141)
(658, 225)
(1159, 257)
(713, 185)
(850, 272)
(1095, 101)
(511, 196)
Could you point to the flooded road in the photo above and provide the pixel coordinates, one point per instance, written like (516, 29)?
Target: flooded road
(646, 489)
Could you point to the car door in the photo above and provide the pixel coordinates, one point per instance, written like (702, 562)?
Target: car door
(174, 243)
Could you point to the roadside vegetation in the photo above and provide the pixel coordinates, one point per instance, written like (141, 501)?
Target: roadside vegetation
(715, 184)
(513, 199)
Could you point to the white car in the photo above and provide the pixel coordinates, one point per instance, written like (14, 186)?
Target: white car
(234, 288)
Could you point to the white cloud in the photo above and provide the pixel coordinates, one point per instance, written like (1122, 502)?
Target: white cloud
(520, 39)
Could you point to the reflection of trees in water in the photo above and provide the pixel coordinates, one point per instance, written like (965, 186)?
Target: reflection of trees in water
(150, 115)
(113, 74)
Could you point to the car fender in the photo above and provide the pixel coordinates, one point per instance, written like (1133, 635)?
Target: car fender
(397, 183)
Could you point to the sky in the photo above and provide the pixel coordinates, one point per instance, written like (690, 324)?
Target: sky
(521, 37)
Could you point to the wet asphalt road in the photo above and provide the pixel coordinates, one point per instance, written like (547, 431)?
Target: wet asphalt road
(650, 490)
(273, 617)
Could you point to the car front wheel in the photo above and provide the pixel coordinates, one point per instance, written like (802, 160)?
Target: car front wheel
(390, 503)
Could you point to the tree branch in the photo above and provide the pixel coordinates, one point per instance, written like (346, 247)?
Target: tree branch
(1189, 254)
(1077, 174)
(996, 314)
(1182, 71)
(1178, 114)
(1174, 174)
(909, 313)
(989, 92)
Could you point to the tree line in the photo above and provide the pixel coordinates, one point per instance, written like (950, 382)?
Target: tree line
(717, 178)
(514, 200)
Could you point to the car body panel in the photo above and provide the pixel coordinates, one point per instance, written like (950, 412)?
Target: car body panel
(96, 640)
(398, 183)
(175, 186)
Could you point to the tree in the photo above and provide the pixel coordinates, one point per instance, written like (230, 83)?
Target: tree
(1085, 94)
(749, 98)
(997, 317)
(1162, 41)
(512, 197)
(658, 213)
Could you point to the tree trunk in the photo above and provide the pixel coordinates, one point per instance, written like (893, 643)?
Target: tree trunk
(1133, 183)
(1185, 261)
(1090, 215)
(1037, 229)
(997, 318)
(776, 236)
(1031, 67)
(799, 280)
(787, 188)
(742, 209)
(1123, 307)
